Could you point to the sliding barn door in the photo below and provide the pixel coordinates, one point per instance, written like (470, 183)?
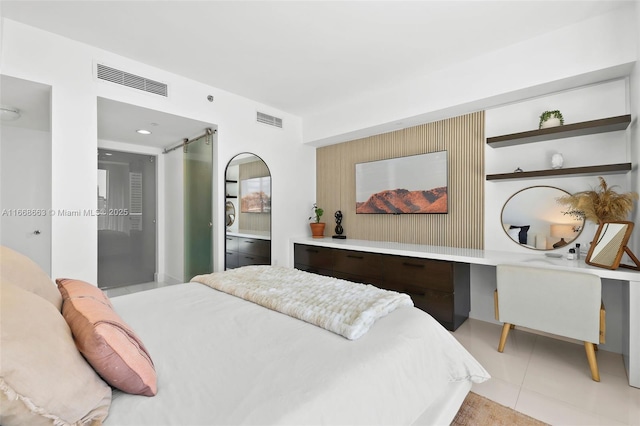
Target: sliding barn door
(198, 218)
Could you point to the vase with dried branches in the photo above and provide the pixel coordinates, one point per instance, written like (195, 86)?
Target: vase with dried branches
(599, 205)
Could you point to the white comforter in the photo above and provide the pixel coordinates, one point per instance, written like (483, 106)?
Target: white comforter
(222, 360)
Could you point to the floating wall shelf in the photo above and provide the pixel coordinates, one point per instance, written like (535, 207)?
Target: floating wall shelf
(572, 171)
(592, 127)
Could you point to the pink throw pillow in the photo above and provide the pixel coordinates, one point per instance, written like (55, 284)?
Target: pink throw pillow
(105, 340)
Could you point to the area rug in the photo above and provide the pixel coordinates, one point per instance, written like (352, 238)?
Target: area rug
(478, 410)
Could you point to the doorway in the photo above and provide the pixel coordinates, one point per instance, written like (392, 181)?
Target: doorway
(126, 210)
(25, 169)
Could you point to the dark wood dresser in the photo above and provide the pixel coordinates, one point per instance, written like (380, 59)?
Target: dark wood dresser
(243, 251)
(438, 287)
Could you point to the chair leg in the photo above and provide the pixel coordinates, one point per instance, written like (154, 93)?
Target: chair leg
(503, 338)
(591, 357)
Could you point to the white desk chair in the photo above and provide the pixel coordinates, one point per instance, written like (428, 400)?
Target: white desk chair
(563, 303)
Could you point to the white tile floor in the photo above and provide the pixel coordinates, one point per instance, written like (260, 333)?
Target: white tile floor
(545, 378)
(549, 379)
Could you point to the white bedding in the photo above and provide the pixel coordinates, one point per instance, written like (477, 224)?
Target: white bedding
(222, 360)
(344, 307)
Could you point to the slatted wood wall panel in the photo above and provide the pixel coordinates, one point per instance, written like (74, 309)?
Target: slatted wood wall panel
(253, 221)
(463, 139)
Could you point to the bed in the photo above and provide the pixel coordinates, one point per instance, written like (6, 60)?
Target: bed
(220, 359)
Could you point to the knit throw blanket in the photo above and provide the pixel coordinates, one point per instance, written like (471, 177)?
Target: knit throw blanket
(345, 308)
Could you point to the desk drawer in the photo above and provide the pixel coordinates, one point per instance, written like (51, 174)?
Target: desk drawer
(254, 247)
(313, 256)
(358, 263)
(419, 273)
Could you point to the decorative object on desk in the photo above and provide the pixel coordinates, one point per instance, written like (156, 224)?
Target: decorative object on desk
(518, 170)
(600, 205)
(551, 119)
(557, 160)
(562, 231)
(609, 244)
(317, 227)
(339, 230)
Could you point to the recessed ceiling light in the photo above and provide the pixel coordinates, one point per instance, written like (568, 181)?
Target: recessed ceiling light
(143, 132)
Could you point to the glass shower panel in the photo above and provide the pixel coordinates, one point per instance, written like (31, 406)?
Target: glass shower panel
(126, 210)
(198, 174)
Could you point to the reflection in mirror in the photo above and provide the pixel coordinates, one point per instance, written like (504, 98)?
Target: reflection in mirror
(230, 213)
(533, 218)
(609, 245)
(247, 211)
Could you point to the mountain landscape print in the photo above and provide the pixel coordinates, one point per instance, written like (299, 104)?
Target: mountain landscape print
(414, 184)
(403, 201)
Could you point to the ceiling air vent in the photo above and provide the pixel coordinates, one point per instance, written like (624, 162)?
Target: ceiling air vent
(269, 119)
(130, 80)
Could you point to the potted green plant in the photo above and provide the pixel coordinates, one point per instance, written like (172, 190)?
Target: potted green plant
(317, 227)
(551, 119)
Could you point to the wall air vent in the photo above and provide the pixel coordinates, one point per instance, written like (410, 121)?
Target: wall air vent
(269, 119)
(130, 80)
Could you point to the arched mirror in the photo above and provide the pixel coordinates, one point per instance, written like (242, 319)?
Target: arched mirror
(247, 212)
(533, 218)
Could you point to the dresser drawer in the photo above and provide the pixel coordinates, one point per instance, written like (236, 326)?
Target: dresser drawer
(231, 243)
(438, 304)
(313, 256)
(254, 247)
(231, 259)
(418, 273)
(376, 281)
(358, 263)
(249, 259)
(313, 269)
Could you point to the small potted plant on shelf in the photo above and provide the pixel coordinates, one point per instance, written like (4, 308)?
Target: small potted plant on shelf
(317, 227)
(551, 119)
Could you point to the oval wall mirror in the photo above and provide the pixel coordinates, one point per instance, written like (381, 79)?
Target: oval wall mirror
(533, 218)
(230, 213)
(247, 212)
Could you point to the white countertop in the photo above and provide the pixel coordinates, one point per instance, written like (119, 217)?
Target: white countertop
(472, 256)
(261, 235)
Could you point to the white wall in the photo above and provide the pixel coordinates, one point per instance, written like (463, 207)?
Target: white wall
(635, 132)
(589, 51)
(67, 66)
(25, 161)
(587, 103)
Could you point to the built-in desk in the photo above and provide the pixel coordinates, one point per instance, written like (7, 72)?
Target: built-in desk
(631, 349)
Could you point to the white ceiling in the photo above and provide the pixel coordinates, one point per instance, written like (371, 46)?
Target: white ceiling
(298, 56)
(118, 121)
